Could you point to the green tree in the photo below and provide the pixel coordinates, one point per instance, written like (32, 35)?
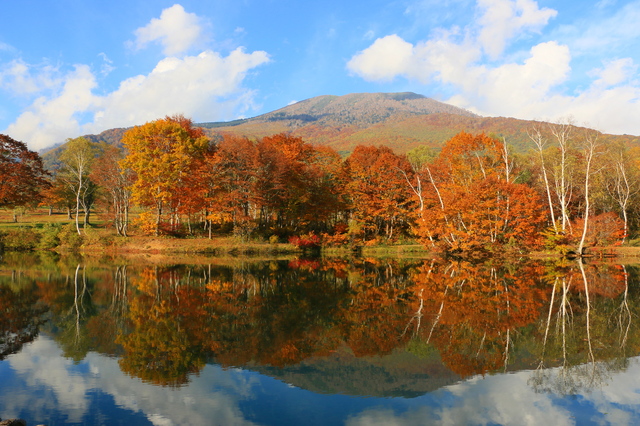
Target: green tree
(77, 158)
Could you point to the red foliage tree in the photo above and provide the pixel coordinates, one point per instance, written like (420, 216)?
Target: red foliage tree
(23, 175)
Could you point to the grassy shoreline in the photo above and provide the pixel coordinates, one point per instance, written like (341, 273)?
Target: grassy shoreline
(101, 241)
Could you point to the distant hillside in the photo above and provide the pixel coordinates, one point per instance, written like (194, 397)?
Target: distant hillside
(401, 121)
(50, 157)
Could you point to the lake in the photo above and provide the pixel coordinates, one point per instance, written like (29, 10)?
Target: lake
(354, 341)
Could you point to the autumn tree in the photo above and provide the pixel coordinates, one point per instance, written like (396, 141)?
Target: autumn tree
(161, 153)
(58, 195)
(223, 182)
(22, 171)
(116, 182)
(378, 192)
(296, 184)
(623, 183)
(471, 206)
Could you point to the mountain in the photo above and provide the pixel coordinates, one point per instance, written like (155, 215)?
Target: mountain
(343, 121)
(401, 121)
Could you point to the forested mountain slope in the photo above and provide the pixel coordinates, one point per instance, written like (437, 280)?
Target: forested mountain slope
(401, 121)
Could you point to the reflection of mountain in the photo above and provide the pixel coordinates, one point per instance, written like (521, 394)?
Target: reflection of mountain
(399, 374)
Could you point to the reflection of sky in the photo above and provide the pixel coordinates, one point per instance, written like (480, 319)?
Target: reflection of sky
(42, 386)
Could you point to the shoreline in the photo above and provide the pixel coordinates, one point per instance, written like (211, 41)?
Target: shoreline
(146, 247)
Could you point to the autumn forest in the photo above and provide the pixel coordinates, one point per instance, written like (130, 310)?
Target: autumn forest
(474, 196)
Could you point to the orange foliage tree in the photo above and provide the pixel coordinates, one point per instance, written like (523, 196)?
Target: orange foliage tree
(380, 199)
(471, 202)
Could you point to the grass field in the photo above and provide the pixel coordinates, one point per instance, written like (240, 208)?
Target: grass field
(34, 217)
(101, 237)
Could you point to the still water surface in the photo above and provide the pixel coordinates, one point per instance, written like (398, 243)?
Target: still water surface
(332, 341)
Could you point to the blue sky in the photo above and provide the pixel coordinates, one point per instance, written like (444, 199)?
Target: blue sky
(73, 67)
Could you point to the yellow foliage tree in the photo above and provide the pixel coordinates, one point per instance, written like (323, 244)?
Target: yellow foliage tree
(161, 153)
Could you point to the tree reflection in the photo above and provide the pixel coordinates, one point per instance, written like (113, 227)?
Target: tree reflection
(20, 318)
(166, 337)
(590, 337)
(575, 322)
(475, 311)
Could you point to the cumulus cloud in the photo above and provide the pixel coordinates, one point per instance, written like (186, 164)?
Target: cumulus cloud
(525, 84)
(176, 30)
(52, 119)
(386, 58)
(207, 86)
(501, 20)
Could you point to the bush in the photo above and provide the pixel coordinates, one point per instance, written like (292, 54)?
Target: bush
(306, 241)
(49, 236)
(20, 239)
(69, 237)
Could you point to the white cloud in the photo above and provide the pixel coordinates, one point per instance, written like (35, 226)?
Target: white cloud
(52, 119)
(204, 87)
(531, 86)
(176, 30)
(614, 72)
(208, 86)
(387, 58)
(501, 20)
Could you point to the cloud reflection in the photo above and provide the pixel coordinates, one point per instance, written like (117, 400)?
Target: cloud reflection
(210, 398)
(508, 399)
(217, 396)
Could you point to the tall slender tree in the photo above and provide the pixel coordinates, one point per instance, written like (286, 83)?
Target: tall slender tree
(76, 159)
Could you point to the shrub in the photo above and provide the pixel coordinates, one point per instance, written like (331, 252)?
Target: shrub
(69, 237)
(20, 239)
(50, 236)
(306, 241)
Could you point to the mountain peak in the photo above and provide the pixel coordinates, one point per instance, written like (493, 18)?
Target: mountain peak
(360, 109)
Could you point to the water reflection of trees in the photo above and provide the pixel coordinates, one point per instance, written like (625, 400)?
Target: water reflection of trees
(472, 313)
(589, 330)
(166, 322)
(20, 318)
